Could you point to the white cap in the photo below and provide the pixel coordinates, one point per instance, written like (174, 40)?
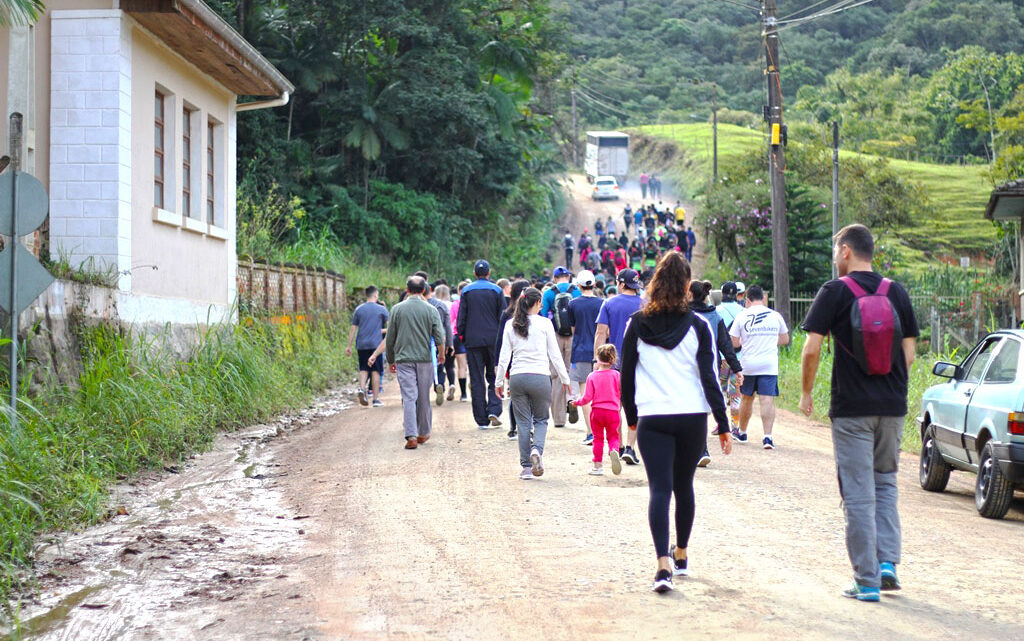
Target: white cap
(740, 287)
(585, 278)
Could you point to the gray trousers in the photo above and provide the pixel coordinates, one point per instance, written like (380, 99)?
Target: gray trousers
(531, 400)
(415, 381)
(558, 398)
(867, 451)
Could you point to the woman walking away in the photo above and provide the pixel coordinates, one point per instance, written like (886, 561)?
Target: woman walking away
(460, 350)
(603, 390)
(669, 382)
(700, 292)
(443, 294)
(529, 344)
(515, 292)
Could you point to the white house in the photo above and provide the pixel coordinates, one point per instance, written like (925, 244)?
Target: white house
(130, 119)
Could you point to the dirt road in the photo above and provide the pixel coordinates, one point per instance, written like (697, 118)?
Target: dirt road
(325, 528)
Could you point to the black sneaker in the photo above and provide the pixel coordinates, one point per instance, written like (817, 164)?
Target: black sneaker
(512, 434)
(705, 458)
(680, 565)
(629, 456)
(362, 398)
(573, 411)
(662, 582)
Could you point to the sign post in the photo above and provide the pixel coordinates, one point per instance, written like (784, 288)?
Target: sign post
(23, 208)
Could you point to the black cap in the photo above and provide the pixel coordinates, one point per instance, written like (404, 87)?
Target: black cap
(629, 278)
(729, 289)
(482, 268)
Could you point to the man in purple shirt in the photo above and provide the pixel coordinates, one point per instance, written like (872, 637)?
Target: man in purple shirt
(611, 328)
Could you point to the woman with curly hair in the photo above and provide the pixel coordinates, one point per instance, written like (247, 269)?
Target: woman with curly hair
(669, 386)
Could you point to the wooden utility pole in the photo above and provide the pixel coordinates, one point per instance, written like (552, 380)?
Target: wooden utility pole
(714, 131)
(777, 160)
(575, 129)
(835, 187)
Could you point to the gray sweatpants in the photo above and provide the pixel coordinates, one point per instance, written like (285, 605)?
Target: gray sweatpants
(558, 398)
(867, 451)
(531, 401)
(415, 381)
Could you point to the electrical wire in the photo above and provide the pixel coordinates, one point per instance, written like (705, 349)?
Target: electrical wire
(632, 81)
(818, 3)
(826, 11)
(801, 21)
(580, 92)
(743, 4)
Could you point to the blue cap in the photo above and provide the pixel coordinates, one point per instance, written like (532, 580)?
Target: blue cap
(561, 271)
(482, 268)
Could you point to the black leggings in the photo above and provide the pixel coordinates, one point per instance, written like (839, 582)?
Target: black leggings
(671, 446)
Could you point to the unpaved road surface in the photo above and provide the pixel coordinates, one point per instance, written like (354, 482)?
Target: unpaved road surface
(325, 528)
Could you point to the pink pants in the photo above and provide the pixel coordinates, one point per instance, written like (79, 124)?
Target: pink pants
(605, 426)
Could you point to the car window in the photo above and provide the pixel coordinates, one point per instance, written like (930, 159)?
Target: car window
(605, 182)
(1004, 364)
(974, 368)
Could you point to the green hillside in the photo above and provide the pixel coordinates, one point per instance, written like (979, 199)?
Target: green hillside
(958, 193)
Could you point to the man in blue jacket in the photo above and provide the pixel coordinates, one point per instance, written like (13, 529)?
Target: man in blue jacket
(480, 309)
(562, 276)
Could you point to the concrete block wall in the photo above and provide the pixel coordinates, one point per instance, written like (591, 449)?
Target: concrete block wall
(90, 139)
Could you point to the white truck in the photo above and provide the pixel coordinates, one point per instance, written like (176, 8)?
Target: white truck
(607, 155)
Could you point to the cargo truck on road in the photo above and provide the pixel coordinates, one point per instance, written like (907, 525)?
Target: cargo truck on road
(607, 155)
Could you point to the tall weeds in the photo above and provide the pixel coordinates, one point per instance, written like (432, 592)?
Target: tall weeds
(136, 408)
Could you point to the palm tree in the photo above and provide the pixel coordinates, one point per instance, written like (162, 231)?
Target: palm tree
(20, 12)
(372, 129)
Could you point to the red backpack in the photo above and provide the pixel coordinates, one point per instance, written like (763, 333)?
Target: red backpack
(877, 332)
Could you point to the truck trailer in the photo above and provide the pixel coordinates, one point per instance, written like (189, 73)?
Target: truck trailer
(607, 155)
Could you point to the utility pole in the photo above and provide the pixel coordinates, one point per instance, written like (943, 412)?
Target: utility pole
(575, 131)
(714, 131)
(835, 187)
(777, 160)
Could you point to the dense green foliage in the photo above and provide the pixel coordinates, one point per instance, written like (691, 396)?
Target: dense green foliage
(414, 133)
(137, 407)
(919, 79)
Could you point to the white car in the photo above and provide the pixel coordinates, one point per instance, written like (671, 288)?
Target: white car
(605, 187)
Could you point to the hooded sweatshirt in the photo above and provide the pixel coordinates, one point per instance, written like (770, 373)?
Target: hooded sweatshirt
(668, 367)
(720, 333)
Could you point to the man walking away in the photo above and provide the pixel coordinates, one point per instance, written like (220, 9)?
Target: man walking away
(869, 403)
(611, 327)
(568, 243)
(414, 322)
(583, 313)
(369, 322)
(760, 332)
(555, 306)
(479, 313)
(691, 242)
(446, 347)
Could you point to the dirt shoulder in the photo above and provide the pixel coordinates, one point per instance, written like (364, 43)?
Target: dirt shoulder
(333, 531)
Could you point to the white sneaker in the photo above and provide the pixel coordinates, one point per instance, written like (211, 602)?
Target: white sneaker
(526, 474)
(494, 420)
(596, 471)
(616, 462)
(538, 464)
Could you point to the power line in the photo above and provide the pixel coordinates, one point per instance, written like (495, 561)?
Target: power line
(834, 10)
(635, 82)
(819, 13)
(818, 3)
(743, 4)
(587, 96)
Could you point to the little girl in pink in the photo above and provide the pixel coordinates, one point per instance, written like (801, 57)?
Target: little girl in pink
(603, 392)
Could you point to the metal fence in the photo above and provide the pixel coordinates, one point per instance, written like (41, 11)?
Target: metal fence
(268, 289)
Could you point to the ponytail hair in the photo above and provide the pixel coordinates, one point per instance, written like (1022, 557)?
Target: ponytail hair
(700, 290)
(521, 320)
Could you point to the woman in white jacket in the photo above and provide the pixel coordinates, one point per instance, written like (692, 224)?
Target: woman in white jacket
(669, 386)
(531, 339)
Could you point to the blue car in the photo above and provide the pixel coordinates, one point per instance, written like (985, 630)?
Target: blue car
(975, 422)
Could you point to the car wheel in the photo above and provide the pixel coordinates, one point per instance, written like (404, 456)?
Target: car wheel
(934, 471)
(993, 492)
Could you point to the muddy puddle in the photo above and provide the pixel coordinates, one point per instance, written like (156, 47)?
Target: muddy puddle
(183, 545)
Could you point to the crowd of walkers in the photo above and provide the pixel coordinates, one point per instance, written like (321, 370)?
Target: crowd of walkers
(645, 356)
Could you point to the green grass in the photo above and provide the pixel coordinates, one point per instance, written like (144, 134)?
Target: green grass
(958, 192)
(136, 407)
(921, 378)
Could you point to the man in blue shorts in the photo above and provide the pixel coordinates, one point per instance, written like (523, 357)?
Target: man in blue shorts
(760, 332)
(369, 323)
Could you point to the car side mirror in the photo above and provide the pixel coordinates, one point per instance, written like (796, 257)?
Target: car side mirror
(945, 370)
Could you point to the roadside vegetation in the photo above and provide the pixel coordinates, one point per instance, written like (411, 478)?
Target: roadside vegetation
(136, 407)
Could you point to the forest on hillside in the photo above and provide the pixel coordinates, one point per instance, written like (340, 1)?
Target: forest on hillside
(926, 79)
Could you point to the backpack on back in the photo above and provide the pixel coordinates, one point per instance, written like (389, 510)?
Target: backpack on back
(560, 313)
(877, 332)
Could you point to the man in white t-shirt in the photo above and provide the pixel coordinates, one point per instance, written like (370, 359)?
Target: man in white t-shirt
(759, 331)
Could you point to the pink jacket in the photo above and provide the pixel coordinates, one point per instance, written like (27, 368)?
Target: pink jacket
(603, 390)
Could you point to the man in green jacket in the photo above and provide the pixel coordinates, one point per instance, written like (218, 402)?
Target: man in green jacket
(413, 322)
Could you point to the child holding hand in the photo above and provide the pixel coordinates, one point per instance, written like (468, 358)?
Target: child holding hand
(602, 391)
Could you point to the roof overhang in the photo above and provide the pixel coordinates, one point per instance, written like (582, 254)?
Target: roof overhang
(203, 38)
(1006, 202)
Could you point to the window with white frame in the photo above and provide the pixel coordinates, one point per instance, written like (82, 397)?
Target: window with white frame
(159, 150)
(187, 116)
(215, 172)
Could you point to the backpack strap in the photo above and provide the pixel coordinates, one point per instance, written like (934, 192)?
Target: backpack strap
(883, 288)
(852, 285)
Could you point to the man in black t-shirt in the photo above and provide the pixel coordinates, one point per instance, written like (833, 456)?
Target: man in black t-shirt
(867, 413)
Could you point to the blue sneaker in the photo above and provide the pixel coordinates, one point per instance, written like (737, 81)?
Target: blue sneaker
(588, 439)
(862, 593)
(738, 436)
(889, 580)
(767, 443)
